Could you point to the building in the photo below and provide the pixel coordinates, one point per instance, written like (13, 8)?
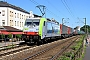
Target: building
(11, 15)
(8, 32)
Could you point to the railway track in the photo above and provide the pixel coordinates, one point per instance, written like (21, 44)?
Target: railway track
(63, 50)
(52, 52)
(8, 51)
(36, 52)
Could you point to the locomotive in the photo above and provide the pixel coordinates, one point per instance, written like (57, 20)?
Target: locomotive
(38, 30)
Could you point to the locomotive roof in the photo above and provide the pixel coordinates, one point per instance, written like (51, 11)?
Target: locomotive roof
(46, 18)
(33, 18)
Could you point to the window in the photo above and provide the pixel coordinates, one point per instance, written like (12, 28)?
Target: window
(12, 22)
(32, 23)
(55, 28)
(3, 12)
(12, 14)
(22, 16)
(26, 16)
(15, 23)
(15, 15)
(29, 16)
(20, 24)
(10, 11)
(3, 22)
(49, 27)
(44, 23)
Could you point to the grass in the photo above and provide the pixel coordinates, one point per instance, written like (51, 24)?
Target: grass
(10, 46)
(75, 48)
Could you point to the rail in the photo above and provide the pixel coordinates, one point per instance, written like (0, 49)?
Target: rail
(61, 51)
(47, 49)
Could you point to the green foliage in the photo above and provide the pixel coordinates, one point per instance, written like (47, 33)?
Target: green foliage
(2, 36)
(87, 28)
(77, 46)
(63, 58)
(10, 36)
(68, 54)
(10, 46)
(18, 36)
(74, 49)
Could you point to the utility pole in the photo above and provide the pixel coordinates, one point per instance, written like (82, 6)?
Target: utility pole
(85, 26)
(87, 29)
(42, 10)
(62, 21)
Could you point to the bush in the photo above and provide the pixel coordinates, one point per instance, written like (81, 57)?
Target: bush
(18, 36)
(68, 54)
(64, 58)
(2, 36)
(10, 36)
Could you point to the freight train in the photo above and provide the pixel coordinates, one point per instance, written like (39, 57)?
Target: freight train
(40, 30)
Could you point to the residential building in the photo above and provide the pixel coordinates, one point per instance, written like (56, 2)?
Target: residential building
(11, 15)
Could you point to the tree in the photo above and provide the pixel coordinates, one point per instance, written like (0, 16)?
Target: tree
(87, 28)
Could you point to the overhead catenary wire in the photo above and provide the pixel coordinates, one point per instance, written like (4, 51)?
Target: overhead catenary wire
(33, 1)
(55, 7)
(67, 8)
(71, 11)
(80, 20)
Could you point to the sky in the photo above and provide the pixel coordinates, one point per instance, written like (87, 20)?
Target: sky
(73, 11)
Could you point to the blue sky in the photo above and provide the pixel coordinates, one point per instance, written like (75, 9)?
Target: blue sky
(75, 10)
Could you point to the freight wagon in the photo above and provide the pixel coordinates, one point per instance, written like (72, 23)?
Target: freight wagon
(66, 31)
(70, 31)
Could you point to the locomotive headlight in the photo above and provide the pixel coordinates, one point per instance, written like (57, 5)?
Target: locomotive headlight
(37, 33)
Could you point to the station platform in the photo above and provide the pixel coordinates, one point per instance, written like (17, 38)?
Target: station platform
(9, 43)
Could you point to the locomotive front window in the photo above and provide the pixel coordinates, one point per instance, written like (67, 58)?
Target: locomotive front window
(27, 23)
(36, 23)
(32, 22)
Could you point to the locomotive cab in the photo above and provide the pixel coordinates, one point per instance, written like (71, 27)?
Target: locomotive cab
(33, 30)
